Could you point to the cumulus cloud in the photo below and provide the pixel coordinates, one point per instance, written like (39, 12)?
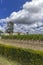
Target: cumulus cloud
(31, 14)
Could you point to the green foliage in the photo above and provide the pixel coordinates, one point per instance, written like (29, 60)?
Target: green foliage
(10, 27)
(5, 61)
(24, 37)
(23, 56)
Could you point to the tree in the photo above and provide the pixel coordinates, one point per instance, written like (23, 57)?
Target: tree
(1, 32)
(10, 27)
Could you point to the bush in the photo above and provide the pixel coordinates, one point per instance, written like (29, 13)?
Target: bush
(24, 56)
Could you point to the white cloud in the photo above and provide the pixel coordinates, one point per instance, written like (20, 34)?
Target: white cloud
(2, 29)
(31, 14)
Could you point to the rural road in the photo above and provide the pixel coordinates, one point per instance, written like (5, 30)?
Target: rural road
(36, 45)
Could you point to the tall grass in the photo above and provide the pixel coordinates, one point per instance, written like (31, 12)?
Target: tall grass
(23, 56)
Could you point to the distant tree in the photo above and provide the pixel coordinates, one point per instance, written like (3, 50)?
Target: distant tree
(10, 27)
(1, 32)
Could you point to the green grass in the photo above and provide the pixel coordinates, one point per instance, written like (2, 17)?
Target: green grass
(24, 37)
(5, 61)
(22, 56)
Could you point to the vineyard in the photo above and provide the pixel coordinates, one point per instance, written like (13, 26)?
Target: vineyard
(24, 49)
(24, 37)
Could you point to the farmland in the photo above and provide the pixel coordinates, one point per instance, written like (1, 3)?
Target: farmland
(5, 61)
(22, 56)
(24, 37)
(33, 41)
(22, 49)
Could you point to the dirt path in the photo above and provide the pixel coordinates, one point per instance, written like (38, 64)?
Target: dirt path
(36, 45)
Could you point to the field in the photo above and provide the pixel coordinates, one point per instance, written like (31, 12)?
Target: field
(5, 61)
(24, 37)
(22, 56)
(31, 44)
(22, 49)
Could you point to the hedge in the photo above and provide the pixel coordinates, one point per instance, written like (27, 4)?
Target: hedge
(23, 56)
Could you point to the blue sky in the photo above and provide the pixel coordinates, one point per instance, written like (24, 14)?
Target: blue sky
(26, 14)
(8, 6)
